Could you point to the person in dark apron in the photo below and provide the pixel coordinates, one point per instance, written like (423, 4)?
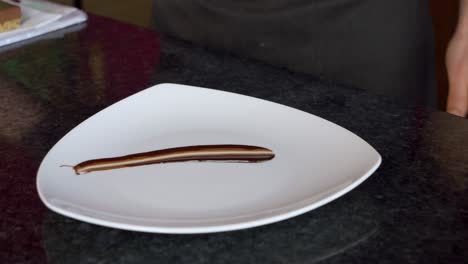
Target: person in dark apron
(379, 45)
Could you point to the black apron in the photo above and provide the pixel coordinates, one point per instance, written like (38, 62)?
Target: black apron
(385, 46)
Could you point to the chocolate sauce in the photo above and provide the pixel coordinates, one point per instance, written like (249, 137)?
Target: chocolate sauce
(231, 153)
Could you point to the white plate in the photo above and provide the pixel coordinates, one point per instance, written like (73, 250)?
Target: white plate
(316, 162)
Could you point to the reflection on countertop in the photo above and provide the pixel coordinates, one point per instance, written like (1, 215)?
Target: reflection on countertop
(305, 239)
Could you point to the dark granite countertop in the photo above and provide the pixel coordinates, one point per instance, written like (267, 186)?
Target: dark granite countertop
(414, 209)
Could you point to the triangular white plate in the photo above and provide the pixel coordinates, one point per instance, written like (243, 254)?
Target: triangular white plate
(316, 162)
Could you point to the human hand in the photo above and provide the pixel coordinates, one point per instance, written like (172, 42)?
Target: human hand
(457, 68)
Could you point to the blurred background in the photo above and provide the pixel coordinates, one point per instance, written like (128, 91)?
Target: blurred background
(139, 12)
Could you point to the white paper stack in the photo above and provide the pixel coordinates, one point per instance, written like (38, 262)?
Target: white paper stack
(41, 17)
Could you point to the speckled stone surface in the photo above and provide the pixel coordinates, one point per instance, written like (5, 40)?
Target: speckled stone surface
(414, 209)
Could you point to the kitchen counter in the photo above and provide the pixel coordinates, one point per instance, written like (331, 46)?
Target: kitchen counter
(413, 209)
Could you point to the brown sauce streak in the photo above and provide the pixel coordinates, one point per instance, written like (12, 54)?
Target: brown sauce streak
(136, 159)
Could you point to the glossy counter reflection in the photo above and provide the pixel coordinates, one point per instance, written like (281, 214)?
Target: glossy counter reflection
(46, 86)
(412, 210)
(305, 239)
